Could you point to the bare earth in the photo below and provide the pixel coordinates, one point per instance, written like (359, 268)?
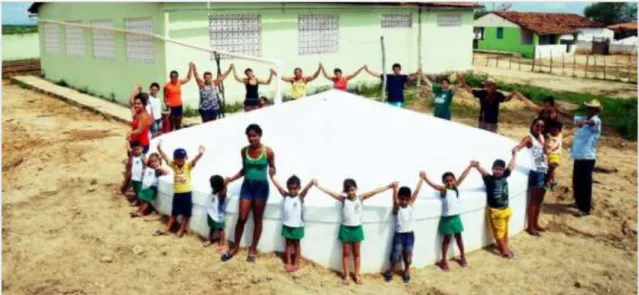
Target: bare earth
(66, 229)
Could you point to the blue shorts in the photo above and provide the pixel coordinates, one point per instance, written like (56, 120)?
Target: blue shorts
(254, 190)
(402, 244)
(208, 115)
(536, 179)
(176, 111)
(182, 205)
(156, 126)
(399, 104)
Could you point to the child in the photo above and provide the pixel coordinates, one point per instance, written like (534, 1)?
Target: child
(497, 199)
(216, 212)
(351, 233)
(450, 223)
(293, 220)
(182, 197)
(554, 142)
(263, 102)
(152, 171)
(134, 169)
(404, 237)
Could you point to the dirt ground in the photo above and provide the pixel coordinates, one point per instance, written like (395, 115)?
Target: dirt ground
(66, 229)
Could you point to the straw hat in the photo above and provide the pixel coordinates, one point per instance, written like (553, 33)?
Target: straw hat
(490, 81)
(595, 104)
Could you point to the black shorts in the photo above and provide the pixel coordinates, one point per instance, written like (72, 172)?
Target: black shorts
(176, 111)
(251, 102)
(182, 205)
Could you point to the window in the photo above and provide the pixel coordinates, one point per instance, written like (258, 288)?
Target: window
(237, 33)
(526, 36)
(103, 46)
(139, 48)
(51, 39)
(317, 34)
(75, 39)
(397, 20)
(500, 33)
(479, 33)
(449, 20)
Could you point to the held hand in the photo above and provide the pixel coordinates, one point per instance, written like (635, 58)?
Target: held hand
(394, 185)
(314, 181)
(202, 149)
(474, 164)
(422, 174)
(514, 151)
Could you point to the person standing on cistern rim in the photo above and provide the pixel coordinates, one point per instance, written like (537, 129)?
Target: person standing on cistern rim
(258, 161)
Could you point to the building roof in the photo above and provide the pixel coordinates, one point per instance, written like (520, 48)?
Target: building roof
(549, 23)
(631, 26)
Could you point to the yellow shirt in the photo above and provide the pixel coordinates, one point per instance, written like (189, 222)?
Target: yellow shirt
(181, 177)
(298, 89)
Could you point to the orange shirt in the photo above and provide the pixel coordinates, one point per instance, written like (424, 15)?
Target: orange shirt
(173, 94)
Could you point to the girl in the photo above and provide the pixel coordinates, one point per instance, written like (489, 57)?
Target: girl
(554, 142)
(299, 82)
(216, 213)
(404, 238)
(450, 223)
(209, 93)
(351, 233)
(293, 219)
(443, 97)
(257, 161)
(173, 96)
(251, 101)
(148, 190)
(537, 176)
(339, 81)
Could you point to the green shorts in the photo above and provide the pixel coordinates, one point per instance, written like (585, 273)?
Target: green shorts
(450, 225)
(147, 194)
(292, 233)
(137, 186)
(215, 225)
(351, 234)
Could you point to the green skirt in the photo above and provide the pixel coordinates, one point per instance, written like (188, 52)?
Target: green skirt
(215, 225)
(351, 234)
(450, 225)
(292, 233)
(137, 186)
(147, 194)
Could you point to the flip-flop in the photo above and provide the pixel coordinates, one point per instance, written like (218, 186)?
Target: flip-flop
(226, 257)
(158, 233)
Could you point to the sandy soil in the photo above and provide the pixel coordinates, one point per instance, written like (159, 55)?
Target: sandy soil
(66, 230)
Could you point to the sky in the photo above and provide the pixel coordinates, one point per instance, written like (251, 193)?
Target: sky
(16, 12)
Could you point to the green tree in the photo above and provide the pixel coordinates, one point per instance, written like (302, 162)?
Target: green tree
(611, 12)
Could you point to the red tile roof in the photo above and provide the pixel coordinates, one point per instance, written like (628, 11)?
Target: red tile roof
(452, 4)
(549, 23)
(631, 26)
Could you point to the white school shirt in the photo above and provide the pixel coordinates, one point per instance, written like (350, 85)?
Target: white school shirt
(137, 168)
(404, 219)
(154, 107)
(352, 211)
(539, 156)
(293, 208)
(149, 179)
(217, 210)
(451, 205)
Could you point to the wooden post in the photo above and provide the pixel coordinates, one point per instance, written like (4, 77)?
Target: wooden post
(551, 61)
(510, 62)
(533, 65)
(222, 112)
(563, 66)
(594, 57)
(574, 63)
(487, 59)
(586, 68)
(496, 61)
(519, 62)
(630, 67)
(604, 67)
(381, 40)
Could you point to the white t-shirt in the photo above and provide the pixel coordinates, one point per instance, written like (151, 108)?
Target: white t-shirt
(404, 219)
(149, 178)
(137, 168)
(293, 209)
(154, 107)
(352, 211)
(451, 205)
(540, 163)
(217, 210)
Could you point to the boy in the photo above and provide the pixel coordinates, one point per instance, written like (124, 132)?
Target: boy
(395, 83)
(497, 199)
(182, 197)
(215, 216)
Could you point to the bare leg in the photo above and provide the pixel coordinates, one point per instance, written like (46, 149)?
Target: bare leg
(185, 223)
(357, 260)
(539, 198)
(530, 213)
(298, 254)
(506, 251)
(169, 224)
(258, 215)
(287, 255)
(178, 123)
(408, 259)
(221, 243)
(245, 206)
(144, 208)
(346, 255)
(460, 245)
(443, 263)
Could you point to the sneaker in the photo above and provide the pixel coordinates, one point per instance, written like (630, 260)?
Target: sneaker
(406, 277)
(388, 276)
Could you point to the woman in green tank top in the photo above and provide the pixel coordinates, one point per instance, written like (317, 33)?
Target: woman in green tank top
(258, 161)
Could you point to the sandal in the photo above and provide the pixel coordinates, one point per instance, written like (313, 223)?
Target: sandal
(358, 279)
(158, 233)
(226, 257)
(251, 258)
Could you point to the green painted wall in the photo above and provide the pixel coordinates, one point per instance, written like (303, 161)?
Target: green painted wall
(16, 47)
(511, 41)
(109, 78)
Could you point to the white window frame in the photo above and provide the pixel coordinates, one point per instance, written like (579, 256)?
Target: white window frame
(318, 34)
(52, 39)
(75, 39)
(236, 33)
(449, 20)
(396, 20)
(139, 48)
(103, 40)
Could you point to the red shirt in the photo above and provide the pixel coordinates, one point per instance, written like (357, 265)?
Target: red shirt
(143, 137)
(340, 84)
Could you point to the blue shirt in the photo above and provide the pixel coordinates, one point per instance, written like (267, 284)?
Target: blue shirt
(395, 87)
(586, 137)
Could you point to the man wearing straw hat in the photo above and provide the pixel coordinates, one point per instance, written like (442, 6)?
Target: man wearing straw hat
(489, 101)
(584, 154)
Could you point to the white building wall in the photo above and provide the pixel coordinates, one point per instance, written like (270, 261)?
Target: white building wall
(587, 34)
(493, 20)
(554, 51)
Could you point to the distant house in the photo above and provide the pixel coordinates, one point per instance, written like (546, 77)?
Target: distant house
(535, 34)
(624, 30)
(437, 35)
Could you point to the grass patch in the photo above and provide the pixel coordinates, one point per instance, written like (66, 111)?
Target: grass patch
(620, 114)
(19, 29)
